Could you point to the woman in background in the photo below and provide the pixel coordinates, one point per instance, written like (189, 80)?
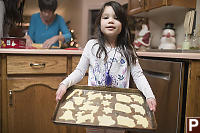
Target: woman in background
(46, 25)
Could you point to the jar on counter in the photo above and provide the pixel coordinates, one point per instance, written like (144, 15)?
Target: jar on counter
(195, 42)
(186, 43)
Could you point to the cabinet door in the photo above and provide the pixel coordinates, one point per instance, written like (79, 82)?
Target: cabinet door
(155, 3)
(193, 90)
(31, 104)
(136, 6)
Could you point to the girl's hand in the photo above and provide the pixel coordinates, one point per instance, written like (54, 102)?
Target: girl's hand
(28, 41)
(48, 43)
(60, 92)
(152, 104)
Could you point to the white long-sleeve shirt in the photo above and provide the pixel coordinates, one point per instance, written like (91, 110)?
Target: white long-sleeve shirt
(119, 70)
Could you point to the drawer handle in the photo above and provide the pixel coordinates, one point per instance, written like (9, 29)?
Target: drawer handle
(10, 98)
(37, 65)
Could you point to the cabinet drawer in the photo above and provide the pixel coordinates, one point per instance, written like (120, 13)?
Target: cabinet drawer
(75, 61)
(36, 64)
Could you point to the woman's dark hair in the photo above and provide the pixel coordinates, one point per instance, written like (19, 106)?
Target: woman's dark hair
(124, 39)
(50, 5)
(14, 10)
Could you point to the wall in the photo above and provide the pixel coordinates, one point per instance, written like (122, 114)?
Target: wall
(31, 6)
(87, 5)
(198, 15)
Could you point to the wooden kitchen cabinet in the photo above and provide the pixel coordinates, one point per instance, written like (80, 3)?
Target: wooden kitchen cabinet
(156, 3)
(138, 6)
(31, 104)
(193, 90)
(28, 87)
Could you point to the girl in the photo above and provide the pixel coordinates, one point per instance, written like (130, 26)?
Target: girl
(110, 58)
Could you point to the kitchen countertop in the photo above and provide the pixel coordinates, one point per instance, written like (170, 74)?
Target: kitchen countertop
(195, 56)
(190, 54)
(40, 51)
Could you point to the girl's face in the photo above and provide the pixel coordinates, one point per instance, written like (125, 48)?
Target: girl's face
(47, 15)
(110, 25)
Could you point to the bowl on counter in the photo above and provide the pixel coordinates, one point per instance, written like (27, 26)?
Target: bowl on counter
(13, 42)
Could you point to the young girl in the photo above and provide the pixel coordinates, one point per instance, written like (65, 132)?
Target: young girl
(110, 58)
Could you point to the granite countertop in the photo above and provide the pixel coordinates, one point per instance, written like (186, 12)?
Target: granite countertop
(180, 54)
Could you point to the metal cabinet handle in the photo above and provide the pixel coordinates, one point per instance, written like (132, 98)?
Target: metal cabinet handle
(164, 76)
(10, 98)
(37, 65)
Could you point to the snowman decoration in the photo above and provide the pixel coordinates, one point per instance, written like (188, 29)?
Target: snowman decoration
(168, 37)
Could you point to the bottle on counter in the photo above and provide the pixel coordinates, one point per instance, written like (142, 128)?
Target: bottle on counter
(186, 43)
(195, 41)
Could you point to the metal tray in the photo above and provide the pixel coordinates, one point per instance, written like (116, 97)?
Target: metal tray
(104, 107)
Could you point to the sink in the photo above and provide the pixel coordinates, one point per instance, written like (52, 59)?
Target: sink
(173, 50)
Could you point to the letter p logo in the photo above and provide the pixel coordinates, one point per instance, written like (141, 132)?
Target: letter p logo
(193, 124)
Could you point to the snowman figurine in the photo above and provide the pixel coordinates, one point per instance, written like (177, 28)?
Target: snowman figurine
(168, 37)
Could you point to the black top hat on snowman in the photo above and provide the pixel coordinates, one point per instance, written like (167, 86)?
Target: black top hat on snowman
(169, 26)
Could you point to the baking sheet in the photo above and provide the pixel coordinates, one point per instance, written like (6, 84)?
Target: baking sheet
(105, 107)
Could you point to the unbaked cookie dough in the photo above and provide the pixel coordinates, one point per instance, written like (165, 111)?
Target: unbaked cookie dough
(107, 110)
(105, 120)
(141, 121)
(138, 99)
(123, 98)
(67, 115)
(83, 118)
(74, 92)
(138, 108)
(87, 107)
(68, 105)
(106, 103)
(108, 96)
(125, 121)
(94, 96)
(79, 100)
(122, 108)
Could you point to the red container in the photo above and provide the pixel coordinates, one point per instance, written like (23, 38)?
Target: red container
(13, 42)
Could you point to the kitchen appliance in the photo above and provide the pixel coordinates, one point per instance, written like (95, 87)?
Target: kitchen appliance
(13, 42)
(166, 80)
